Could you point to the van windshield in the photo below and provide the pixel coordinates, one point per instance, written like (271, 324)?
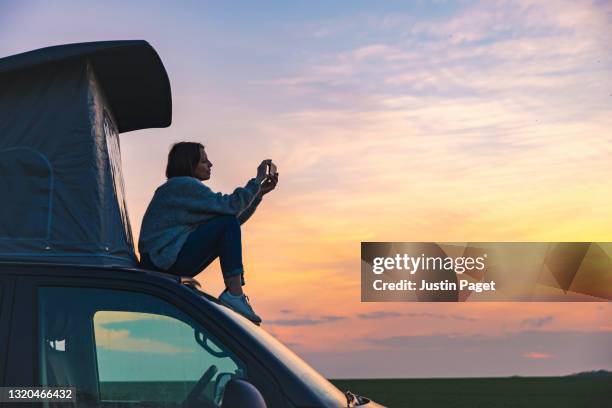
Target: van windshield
(315, 381)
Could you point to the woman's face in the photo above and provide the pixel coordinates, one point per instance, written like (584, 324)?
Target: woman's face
(202, 170)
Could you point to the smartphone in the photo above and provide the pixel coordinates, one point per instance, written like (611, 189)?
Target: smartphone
(272, 169)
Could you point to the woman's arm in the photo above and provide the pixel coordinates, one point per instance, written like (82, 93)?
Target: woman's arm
(250, 210)
(204, 201)
(197, 198)
(268, 185)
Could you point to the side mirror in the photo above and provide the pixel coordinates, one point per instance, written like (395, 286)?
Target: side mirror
(241, 394)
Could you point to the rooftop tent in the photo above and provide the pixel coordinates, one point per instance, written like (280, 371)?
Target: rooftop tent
(61, 110)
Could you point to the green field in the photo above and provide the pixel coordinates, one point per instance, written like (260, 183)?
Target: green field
(515, 392)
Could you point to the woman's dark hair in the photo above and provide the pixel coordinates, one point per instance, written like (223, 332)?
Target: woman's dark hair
(183, 159)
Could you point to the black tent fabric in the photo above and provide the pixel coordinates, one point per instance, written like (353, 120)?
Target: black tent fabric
(61, 112)
(130, 72)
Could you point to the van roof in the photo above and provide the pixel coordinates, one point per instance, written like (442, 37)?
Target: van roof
(132, 75)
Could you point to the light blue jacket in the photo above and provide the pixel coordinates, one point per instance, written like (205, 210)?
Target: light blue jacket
(179, 206)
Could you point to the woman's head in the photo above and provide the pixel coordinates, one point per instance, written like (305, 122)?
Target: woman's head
(188, 159)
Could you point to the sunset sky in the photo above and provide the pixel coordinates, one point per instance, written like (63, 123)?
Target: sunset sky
(389, 121)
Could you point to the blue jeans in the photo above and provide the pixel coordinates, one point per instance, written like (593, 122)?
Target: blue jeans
(218, 237)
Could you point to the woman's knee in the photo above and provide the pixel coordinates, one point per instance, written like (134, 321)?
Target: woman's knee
(228, 222)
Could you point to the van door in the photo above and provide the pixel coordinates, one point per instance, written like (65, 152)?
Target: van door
(121, 346)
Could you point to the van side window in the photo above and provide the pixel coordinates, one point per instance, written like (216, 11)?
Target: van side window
(114, 157)
(120, 348)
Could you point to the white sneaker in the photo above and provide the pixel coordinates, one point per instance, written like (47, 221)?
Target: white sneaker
(239, 304)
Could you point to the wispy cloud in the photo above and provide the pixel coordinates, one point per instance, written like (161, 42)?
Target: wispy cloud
(442, 316)
(378, 315)
(123, 340)
(537, 356)
(494, 107)
(305, 321)
(122, 331)
(387, 314)
(456, 355)
(537, 322)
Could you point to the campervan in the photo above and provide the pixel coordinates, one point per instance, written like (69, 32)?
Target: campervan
(80, 323)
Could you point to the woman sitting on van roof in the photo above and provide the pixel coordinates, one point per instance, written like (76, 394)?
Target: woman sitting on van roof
(187, 225)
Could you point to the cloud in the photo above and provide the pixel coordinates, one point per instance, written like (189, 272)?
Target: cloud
(305, 321)
(375, 51)
(475, 113)
(442, 316)
(107, 317)
(537, 356)
(122, 340)
(378, 315)
(385, 314)
(537, 322)
(455, 355)
(122, 331)
(526, 338)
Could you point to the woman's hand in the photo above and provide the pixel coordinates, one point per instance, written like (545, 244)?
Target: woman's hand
(269, 184)
(262, 170)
